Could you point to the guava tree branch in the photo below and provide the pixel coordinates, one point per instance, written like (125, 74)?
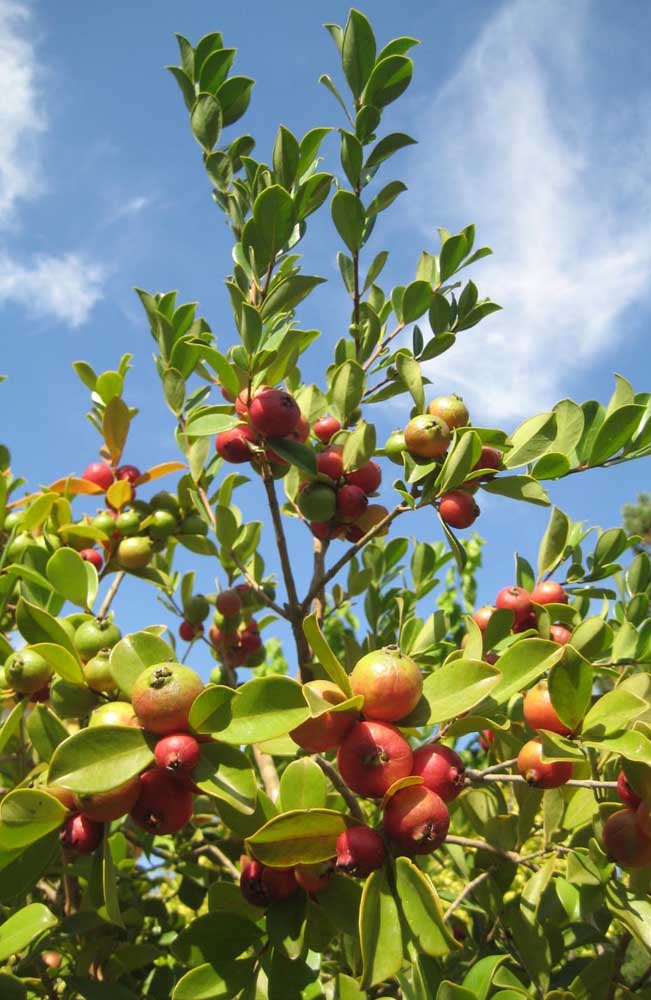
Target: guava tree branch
(268, 772)
(214, 852)
(477, 777)
(338, 783)
(382, 345)
(468, 889)
(110, 594)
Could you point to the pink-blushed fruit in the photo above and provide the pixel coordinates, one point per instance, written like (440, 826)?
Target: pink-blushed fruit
(162, 697)
(368, 477)
(372, 756)
(374, 513)
(539, 712)
(482, 616)
(314, 878)
(103, 807)
(274, 413)
(560, 634)
(94, 557)
(128, 472)
(526, 623)
(536, 772)
(98, 473)
(301, 432)
(549, 592)
(517, 600)
(261, 885)
(233, 445)
(81, 834)
(250, 642)
(325, 732)
(229, 603)
(243, 400)
(458, 509)
(51, 959)
(490, 458)
(351, 502)
(427, 436)
(627, 794)
(416, 820)
(451, 409)
(330, 462)
(164, 805)
(625, 841)
(317, 502)
(360, 851)
(188, 631)
(178, 753)
(390, 682)
(441, 769)
(325, 428)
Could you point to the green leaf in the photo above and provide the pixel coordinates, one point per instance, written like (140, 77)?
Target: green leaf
(209, 420)
(305, 836)
(234, 96)
(462, 456)
(616, 431)
(613, 711)
(383, 200)
(522, 664)
(206, 121)
(309, 148)
(303, 786)
(385, 148)
(480, 976)
(215, 70)
(100, 758)
(132, 654)
(349, 217)
(351, 157)
(211, 710)
(37, 626)
(379, 931)
(110, 883)
(416, 300)
(215, 937)
(115, 427)
(631, 745)
(23, 927)
(552, 465)
(421, 907)
(389, 78)
(300, 455)
(455, 688)
(286, 294)
(449, 991)
(569, 426)
(312, 194)
(634, 914)
(274, 217)
(357, 51)
(359, 446)
(22, 867)
(174, 390)
(66, 571)
(45, 731)
(570, 688)
(553, 542)
(347, 388)
(26, 815)
(453, 251)
(263, 709)
(11, 724)
(518, 488)
(206, 983)
(226, 773)
(325, 655)
(531, 440)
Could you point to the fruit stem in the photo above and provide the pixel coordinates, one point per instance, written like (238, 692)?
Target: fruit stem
(338, 783)
(110, 594)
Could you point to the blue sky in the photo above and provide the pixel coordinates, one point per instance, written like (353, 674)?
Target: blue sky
(533, 121)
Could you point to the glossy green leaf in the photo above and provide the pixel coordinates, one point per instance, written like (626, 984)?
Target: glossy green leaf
(286, 294)
(379, 931)
(613, 711)
(100, 758)
(422, 910)
(531, 440)
(133, 654)
(11, 724)
(385, 148)
(518, 488)
(480, 977)
(26, 815)
(273, 213)
(298, 837)
(22, 867)
(45, 731)
(234, 96)
(115, 422)
(450, 991)
(570, 687)
(347, 388)
(206, 121)
(66, 571)
(295, 453)
(263, 709)
(616, 431)
(389, 79)
(522, 664)
(460, 459)
(62, 662)
(457, 687)
(412, 378)
(357, 51)
(631, 745)
(23, 927)
(553, 542)
(215, 937)
(303, 785)
(211, 710)
(349, 217)
(634, 914)
(226, 773)
(206, 983)
(209, 420)
(36, 625)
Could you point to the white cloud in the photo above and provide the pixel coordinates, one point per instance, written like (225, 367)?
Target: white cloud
(518, 144)
(133, 206)
(61, 286)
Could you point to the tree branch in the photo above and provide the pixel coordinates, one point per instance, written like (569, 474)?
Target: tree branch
(214, 852)
(110, 594)
(337, 781)
(382, 346)
(477, 777)
(268, 772)
(468, 889)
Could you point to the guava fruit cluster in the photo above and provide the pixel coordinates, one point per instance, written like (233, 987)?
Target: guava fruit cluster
(234, 633)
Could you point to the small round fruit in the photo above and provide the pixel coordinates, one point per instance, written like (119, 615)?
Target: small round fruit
(250, 642)
(128, 472)
(390, 682)
(441, 769)
(51, 959)
(326, 731)
(229, 603)
(99, 474)
(217, 675)
(372, 756)
(416, 820)
(626, 793)
(482, 616)
(189, 632)
(373, 514)
(317, 502)
(94, 557)
(98, 674)
(489, 458)
(394, 447)
(451, 410)
(162, 525)
(164, 804)
(314, 878)
(368, 477)
(165, 501)
(539, 712)
(96, 634)
(113, 713)
(458, 509)
(162, 697)
(351, 503)
(325, 428)
(530, 622)
(128, 523)
(301, 432)
(427, 436)
(104, 807)
(560, 634)
(625, 841)
(549, 592)
(134, 553)
(81, 834)
(517, 600)
(193, 524)
(233, 445)
(274, 413)
(196, 609)
(261, 886)
(104, 521)
(536, 772)
(360, 851)
(178, 753)
(330, 462)
(27, 671)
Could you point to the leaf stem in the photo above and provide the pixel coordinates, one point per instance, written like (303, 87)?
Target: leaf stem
(338, 783)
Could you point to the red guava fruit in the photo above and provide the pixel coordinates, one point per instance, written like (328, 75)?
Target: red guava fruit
(360, 851)
(441, 769)
(164, 804)
(625, 841)
(314, 878)
(232, 445)
(325, 732)
(390, 682)
(274, 413)
(482, 616)
(81, 834)
(188, 632)
(489, 458)
(451, 410)
(94, 557)
(372, 756)
(560, 634)
(536, 772)
(458, 509)
(427, 436)
(549, 592)
(261, 885)
(178, 753)
(368, 477)
(517, 600)
(351, 503)
(330, 462)
(627, 794)
(486, 738)
(325, 428)
(128, 472)
(229, 603)
(98, 473)
(162, 697)
(416, 820)
(539, 712)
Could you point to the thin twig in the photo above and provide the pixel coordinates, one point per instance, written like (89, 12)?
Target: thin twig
(268, 772)
(480, 776)
(214, 852)
(468, 889)
(337, 781)
(382, 346)
(496, 767)
(110, 594)
(255, 586)
(481, 845)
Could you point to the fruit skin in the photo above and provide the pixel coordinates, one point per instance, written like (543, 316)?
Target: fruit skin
(390, 682)
(27, 671)
(374, 513)
(217, 674)
(416, 820)
(489, 458)
(114, 713)
(188, 632)
(330, 462)
(360, 851)
(314, 878)
(458, 509)
(165, 501)
(274, 413)
(317, 502)
(394, 446)
(97, 673)
(134, 553)
(104, 521)
(162, 697)
(128, 523)
(560, 634)
(128, 472)
(164, 804)
(229, 603)
(486, 738)
(541, 775)
(517, 600)
(372, 756)
(549, 592)
(351, 503)
(451, 409)
(94, 635)
(162, 525)
(94, 557)
(232, 445)
(441, 769)
(539, 712)
(427, 436)
(81, 834)
(482, 616)
(261, 885)
(325, 428)
(196, 609)
(368, 477)
(193, 524)
(627, 794)
(98, 473)
(643, 817)
(178, 753)
(624, 841)
(107, 806)
(325, 732)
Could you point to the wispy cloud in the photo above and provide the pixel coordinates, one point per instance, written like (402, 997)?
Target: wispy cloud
(130, 207)
(519, 145)
(64, 288)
